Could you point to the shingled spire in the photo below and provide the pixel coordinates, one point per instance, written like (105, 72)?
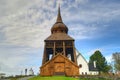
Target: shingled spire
(59, 26)
(59, 18)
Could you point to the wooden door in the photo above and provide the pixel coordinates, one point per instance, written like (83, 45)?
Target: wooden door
(59, 67)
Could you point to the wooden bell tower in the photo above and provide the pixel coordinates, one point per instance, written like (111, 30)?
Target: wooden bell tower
(59, 52)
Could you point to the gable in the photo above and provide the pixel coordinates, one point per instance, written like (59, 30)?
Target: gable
(60, 59)
(79, 55)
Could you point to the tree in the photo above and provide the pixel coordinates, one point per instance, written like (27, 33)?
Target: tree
(116, 58)
(101, 63)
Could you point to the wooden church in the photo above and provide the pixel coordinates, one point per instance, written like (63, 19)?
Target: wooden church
(59, 56)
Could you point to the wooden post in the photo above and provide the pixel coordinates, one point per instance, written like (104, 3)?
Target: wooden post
(63, 48)
(74, 53)
(44, 55)
(54, 50)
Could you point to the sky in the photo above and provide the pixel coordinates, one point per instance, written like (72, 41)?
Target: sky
(25, 24)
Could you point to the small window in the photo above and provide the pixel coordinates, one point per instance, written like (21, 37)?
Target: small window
(80, 65)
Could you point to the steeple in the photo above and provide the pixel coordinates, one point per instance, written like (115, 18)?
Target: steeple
(59, 18)
(58, 47)
(59, 26)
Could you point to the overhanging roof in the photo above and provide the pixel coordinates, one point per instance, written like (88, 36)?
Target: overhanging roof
(59, 36)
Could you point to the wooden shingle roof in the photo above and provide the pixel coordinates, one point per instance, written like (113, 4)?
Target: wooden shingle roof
(59, 36)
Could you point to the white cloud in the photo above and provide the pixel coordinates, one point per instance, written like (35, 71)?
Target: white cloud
(92, 51)
(31, 25)
(15, 59)
(79, 31)
(8, 7)
(109, 58)
(28, 28)
(92, 11)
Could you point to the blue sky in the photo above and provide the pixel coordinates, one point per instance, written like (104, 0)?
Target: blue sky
(24, 24)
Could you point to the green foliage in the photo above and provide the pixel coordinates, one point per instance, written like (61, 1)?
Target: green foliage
(101, 62)
(116, 57)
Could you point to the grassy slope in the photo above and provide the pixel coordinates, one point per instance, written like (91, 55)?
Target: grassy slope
(53, 78)
(64, 78)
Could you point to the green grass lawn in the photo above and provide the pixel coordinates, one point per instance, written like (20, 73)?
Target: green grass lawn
(64, 78)
(53, 78)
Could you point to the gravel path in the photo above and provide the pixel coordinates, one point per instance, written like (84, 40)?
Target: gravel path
(26, 78)
(4, 79)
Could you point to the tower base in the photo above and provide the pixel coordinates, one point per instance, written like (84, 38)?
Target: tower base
(59, 65)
